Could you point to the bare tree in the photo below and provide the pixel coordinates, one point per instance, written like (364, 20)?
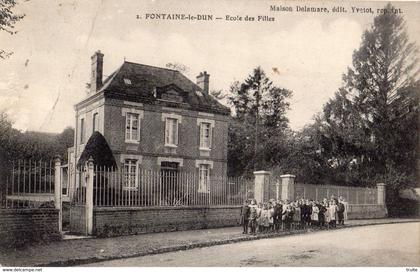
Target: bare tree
(8, 20)
(177, 66)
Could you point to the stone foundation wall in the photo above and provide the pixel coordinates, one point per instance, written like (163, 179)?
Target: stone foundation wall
(117, 221)
(366, 211)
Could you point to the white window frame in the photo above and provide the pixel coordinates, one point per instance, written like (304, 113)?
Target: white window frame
(95, 123)
(129, 176)
(204, 173)
(125, 112)
(171, 132)
(200, 123)
(205, 144)
(130, 118)
(127, 81)
(165, 117)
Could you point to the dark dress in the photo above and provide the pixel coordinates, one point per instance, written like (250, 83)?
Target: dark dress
(340, 213)
(309, 213)
(277, 214)
(322, 211)
(244, 215)
(253, 219)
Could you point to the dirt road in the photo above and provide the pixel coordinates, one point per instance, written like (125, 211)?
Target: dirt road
(383, 245)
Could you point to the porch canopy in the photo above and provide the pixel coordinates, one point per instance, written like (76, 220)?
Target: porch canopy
(97, 148)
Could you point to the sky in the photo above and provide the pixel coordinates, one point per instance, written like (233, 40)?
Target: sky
(47, 74)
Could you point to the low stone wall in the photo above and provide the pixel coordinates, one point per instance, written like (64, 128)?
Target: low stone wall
(117, 221)
(366, 211)
(21, 226)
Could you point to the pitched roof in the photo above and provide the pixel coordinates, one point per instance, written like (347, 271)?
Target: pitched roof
(138, 83)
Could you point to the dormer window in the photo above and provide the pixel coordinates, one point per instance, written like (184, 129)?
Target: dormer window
(171, 93)
(127, 81)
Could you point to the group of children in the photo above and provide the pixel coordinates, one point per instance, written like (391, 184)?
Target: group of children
(275, 216)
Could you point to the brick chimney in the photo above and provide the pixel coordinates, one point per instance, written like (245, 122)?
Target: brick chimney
(203, 81)
(97, 71)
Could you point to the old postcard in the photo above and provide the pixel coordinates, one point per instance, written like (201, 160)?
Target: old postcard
(165, 133)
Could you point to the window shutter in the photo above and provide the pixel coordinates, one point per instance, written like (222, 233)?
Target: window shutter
(138, 128)
(210, 136)
(127, 126)
(176, 131)
(167, 131)
(201, 135)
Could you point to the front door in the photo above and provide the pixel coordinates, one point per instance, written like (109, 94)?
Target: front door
(169, 183)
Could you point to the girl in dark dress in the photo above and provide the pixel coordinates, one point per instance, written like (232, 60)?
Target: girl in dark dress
(245, 217)
(322, 210)
(252, 222)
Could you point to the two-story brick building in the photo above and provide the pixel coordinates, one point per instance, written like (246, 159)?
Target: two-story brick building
(154, 118)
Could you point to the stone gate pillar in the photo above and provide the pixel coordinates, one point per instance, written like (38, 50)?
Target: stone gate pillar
(262, 182)
(89, 197)
(288, 187)
(381, 193)
(57, 191)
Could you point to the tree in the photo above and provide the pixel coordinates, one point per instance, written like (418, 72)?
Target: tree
(260, 109)
(372, 122)
(177, 66)
(15, 145)
(65, 140)
(7, 21)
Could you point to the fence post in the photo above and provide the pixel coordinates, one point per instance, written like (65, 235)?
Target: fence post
(57, 190)
(381, 193)
(288, 187)
(89, 198)
(262, 180)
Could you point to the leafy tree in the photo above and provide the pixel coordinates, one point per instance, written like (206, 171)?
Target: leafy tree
(8, 136)
(8, 20)
(260, 109)
(15, 145)
(65, 140)
(371, 125)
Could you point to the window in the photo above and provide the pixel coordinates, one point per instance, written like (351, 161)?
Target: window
(132, 127)
(95, 120)
(127, 81)
(82, 130)
(205, 135)
(130, 174)
(204, 178)
(171, 132)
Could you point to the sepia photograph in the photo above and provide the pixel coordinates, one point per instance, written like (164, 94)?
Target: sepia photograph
(281, 134)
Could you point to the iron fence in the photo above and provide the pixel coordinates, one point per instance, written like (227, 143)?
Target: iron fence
(353, 195)
(275, 188)
(148, 188)
(28, 184)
